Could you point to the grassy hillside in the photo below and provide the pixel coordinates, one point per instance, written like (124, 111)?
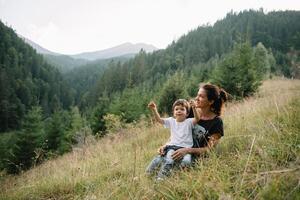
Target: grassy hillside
(257, 159)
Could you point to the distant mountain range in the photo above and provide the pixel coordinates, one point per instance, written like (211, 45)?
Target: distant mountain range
(67, 62)
(38, 48)
(123, 50)
(117, 51)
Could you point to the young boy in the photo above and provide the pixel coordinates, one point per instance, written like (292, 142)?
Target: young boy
(181, 134)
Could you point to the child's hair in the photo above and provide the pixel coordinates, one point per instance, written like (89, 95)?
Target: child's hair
(182, 102)
(218, 95)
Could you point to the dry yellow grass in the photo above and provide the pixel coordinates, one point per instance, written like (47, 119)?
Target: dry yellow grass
(113, 168)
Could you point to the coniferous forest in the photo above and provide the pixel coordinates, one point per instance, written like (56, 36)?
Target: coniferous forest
(44, 112)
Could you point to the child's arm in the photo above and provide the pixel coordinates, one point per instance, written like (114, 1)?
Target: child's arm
(195, 111)
(153, 107)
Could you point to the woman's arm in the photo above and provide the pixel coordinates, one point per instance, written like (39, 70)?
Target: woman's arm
(213, 140)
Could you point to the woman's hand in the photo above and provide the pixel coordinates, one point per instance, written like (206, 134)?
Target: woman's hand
(179, 153)
(161, 149)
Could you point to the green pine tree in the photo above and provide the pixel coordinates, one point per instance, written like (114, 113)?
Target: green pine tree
(237, 73)
(97, 122)
(55, 131)
(172, 90)
(23, 152)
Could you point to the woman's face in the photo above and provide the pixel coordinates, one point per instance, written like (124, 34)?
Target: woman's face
(201, 99)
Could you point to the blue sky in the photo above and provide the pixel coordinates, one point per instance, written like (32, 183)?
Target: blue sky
(74, 26)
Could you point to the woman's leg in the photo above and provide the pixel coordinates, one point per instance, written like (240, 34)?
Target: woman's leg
(186, 161)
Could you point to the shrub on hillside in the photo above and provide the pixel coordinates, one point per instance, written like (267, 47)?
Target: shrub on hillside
(241, 72)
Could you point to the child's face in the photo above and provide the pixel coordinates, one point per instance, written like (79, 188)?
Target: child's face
(180, 113)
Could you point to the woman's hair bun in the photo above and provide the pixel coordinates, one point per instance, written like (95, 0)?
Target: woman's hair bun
(223, 95)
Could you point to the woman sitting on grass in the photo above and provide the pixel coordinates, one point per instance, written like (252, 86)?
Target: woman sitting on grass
(209, 129)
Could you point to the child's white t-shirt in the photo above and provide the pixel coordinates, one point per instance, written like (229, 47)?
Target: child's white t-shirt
(181, 132)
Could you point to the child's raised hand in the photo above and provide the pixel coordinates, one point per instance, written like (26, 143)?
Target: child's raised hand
(152, 105)
(193, 103)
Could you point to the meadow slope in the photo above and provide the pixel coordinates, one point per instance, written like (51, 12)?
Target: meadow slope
(258, 158)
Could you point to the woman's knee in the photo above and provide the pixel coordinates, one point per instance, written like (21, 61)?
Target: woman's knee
(186, 161)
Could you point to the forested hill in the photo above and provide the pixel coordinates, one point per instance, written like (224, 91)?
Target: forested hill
(279, 32)
(26, 80)
(199, 51)
(85, 77)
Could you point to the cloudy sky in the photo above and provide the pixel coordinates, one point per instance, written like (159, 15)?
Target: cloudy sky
(74, 26)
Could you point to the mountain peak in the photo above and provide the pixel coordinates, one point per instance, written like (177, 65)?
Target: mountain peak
(124, 49)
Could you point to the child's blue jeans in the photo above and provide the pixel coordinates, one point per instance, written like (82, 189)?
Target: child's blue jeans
(166, 162)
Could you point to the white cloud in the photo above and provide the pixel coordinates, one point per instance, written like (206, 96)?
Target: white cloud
(44, 35)
(2, 2)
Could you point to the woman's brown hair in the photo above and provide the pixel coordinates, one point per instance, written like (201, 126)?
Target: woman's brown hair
(216, 94)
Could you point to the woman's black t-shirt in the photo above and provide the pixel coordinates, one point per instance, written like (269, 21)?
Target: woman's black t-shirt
(204, 129)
